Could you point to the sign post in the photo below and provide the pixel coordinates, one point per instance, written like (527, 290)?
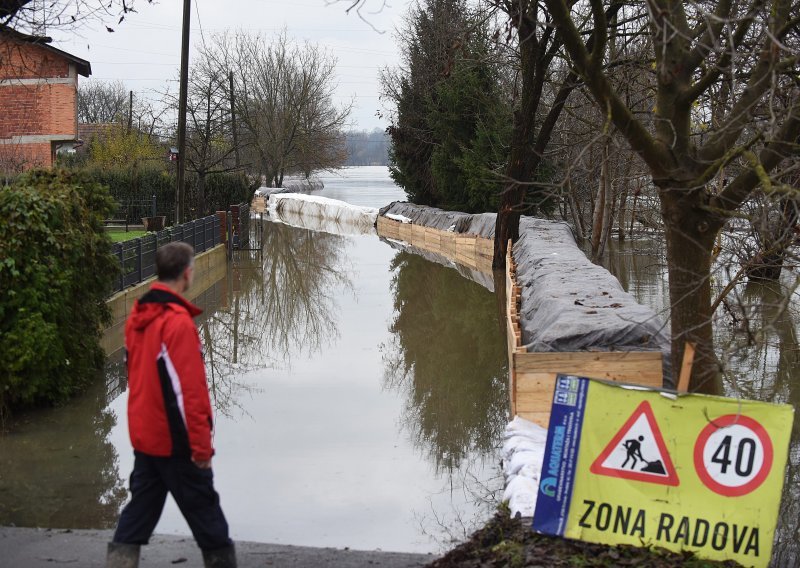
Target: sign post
(627, 465)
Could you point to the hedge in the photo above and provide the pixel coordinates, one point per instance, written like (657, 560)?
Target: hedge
(56, 269)
(222, 190)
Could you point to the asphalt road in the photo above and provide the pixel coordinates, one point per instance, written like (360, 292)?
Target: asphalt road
(49, 548)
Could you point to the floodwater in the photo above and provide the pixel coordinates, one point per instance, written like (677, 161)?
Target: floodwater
(360, 395)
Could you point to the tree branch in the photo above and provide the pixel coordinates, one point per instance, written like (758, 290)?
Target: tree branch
(634, 131)
(740, 115)
(700, 86)
(714, 31)
(784, 144)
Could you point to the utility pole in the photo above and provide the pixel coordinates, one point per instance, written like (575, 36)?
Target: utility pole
(130, 112)
(233, 122)
(180, 197)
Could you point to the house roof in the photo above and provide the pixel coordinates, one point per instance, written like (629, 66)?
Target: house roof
(83, 67)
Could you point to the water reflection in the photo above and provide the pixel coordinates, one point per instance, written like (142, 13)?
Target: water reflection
(45, 457)
(278, 306)
(448, 359)
(764, 365)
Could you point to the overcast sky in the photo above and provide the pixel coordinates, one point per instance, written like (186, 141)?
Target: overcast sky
(144, 50)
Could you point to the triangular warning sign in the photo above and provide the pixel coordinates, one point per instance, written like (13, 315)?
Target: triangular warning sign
(638, 451)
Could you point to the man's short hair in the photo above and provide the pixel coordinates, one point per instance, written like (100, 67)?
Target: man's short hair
(172, 259)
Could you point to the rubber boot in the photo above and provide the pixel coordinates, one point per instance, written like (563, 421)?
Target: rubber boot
(220, 557)
(121, 555)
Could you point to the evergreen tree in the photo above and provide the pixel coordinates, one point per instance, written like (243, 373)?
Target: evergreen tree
(451, 123)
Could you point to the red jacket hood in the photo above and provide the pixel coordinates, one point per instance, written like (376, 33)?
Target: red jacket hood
(157, 300)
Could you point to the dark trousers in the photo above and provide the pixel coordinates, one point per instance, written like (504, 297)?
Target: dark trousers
(193, 491)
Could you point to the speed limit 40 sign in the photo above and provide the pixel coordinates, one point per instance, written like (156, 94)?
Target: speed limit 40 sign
(649, 468)
(733, 455)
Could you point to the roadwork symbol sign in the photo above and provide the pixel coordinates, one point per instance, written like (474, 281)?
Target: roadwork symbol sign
(637, 451)
(646, 467)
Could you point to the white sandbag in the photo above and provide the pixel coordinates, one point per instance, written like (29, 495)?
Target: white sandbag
(520, 459)
(521, 444)
(322, 214)
(521, 427)
(520, 494)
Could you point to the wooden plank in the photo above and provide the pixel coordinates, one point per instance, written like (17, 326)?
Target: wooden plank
(484, 265)
(484, 247)
(534, 402)
(433, 247)
(686, 367)
(404, 232)
(449, 247)
(540, 418)
(466, 261)
(643, 360)
(388, 228)
(433, 238)
(643, 372)
(418, 234)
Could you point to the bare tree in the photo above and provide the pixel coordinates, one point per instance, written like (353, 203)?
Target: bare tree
(535, 116)
(732, 58)
(100, 101)
(284, 102)
(210, 145)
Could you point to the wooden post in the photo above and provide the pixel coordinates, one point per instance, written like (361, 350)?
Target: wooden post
(686, 367)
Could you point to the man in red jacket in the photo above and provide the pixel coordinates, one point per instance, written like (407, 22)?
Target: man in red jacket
(169, 419)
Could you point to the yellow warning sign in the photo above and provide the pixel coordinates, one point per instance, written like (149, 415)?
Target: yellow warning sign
(640, 467)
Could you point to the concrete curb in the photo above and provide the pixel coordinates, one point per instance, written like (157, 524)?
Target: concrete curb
(46, 548)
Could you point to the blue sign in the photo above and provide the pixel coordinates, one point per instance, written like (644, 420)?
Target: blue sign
(561, 455)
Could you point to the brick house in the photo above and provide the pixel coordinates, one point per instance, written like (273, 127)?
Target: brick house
(38, 100)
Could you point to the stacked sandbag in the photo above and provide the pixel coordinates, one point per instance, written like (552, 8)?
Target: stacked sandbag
(522, 455)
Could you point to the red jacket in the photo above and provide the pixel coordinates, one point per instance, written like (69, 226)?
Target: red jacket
(169, 412)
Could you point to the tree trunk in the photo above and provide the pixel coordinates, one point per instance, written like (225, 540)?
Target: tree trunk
(609, 211)
(601, 208)
(577, 216)
(523, 161)
(689, 242)
(623, 206)
(633, 207)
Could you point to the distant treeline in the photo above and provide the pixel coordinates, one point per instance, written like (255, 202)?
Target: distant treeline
(367, 148)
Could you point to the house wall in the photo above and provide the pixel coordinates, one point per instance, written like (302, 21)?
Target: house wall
(38, 98)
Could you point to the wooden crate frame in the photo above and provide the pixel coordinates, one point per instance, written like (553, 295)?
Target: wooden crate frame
(468, 250)
(532, 375)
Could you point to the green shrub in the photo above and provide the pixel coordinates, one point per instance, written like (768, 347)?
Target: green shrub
(56, 270)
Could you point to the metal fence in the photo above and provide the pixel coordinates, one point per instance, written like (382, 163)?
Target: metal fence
(239, 227)
(137, 257)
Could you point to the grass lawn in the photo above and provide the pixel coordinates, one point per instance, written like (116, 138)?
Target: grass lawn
(119, 236)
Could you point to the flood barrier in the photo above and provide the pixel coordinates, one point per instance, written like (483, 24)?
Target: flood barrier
(322, 214)
(563, 313)
(471, 251)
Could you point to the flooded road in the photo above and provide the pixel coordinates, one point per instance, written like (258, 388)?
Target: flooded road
(360, 395)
